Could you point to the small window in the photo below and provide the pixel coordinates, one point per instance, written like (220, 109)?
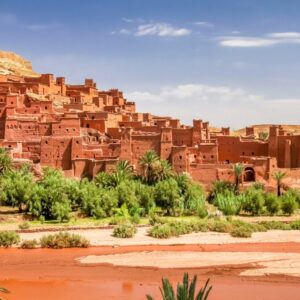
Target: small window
(77, 142)
(46, 142)
(46, 107)
(211, 156)
(252, 153)
(204, 156)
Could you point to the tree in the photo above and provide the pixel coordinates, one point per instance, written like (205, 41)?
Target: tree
(167, 196)
(164, 170)
(5, 161)
(51, 199)
(278, 176)
(17, 187)
(185, 290)
(124, 171)
(238, 170)
(149, 163)
(263, 135)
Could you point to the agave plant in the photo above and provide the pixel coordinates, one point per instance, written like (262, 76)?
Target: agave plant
(185, 290)
(3, 290)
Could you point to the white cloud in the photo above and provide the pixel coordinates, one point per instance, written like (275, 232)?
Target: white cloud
(161, 29)
(270, 39)
(137, 20)
(204, 24)
(246, 42)
(125, 31)
(221, 105)
(285, 35)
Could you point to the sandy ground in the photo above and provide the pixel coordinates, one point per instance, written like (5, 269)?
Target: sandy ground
(58, 274)
(268, 263)
(104, 237)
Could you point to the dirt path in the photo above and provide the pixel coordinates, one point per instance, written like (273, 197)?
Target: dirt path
(57, 274)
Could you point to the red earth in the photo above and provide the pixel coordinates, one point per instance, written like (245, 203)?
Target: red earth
(56, 274)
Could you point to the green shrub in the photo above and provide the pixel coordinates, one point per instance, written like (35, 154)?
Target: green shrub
(201, 226)
(222, 226)
(275, 225)
(29, 244)
(254, 202)
(124, 231)
(289, 204)
(24, 225)
(63, 240)
(219, 187)
(194, 200)
(241, 231)
(295, 194)
(9, 238)
(229, 203)
(163, 231)
(258, 186)
(272, 203)
(295, 225)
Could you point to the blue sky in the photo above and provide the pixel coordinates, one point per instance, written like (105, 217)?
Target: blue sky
(232, 62)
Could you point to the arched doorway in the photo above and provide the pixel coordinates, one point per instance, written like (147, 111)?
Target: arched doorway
(249, 174)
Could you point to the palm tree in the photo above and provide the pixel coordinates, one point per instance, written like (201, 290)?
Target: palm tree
(5, 161)
(278, 176)
(185, 290)
(238, 170)
(123, 171)
(165, 170)
(149, 163)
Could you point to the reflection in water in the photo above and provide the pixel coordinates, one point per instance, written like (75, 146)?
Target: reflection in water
(127, 287)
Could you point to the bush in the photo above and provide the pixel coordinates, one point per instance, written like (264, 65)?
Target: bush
(124, 231)
(29, 244)
(9, 238)
(194, 200)
(295, 225)
(24, 225)
(289, 204)
(254, 202)
(273, 203)
(220, 187)
(97, 202)
(163, 231)
(63, 240)
(241, 231)
(222, 226)
(229, 203)
(275, 225)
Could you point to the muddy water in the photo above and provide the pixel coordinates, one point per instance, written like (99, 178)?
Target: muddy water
(56, 274)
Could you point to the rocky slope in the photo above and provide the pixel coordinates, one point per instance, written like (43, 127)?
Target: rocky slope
(14, 64)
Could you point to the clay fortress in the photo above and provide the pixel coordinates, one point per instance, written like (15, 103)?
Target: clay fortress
(83, 130)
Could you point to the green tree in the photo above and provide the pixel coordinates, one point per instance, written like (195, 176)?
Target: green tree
(278, 176)
(238, 170)
(164, 170)
(124, 171)
(185, 290)
(17, 187)
(263, 135)
(149, 163)
(5, 161)
(167, 196)
(52, 195)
